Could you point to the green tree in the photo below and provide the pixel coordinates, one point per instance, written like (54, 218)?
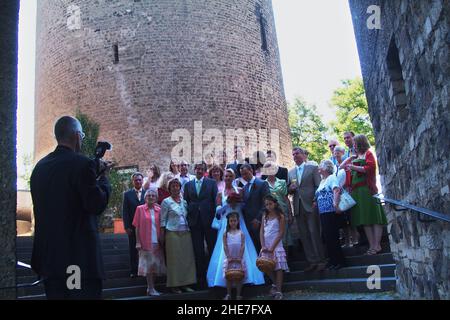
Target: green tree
(307, 129)
(27, 163)
(352, 110)
(120, 182)
(92, 130)
(117, 180)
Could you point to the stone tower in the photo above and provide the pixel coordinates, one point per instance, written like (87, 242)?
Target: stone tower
(145, 68)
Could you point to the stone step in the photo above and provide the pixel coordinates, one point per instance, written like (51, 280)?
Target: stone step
(122, 245)
(120, 262)
(121, 265)
(115, 274)
(26, 257)
(352, 285)
(119, 292)
(361, 260)
(387, 270)
(118, 256)
(103, 237)
(349, 285)
(123, 280)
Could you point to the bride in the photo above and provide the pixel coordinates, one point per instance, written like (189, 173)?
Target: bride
(230, 201)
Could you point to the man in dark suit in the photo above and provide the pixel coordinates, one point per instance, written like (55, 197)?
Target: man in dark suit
(200, 194)
(67, 199)
(131, 200)
(254, 193)
(282, 172)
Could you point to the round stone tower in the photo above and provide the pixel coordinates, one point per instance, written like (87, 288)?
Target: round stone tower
(150, 72)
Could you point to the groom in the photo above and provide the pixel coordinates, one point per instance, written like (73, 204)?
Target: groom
(255, 191)
(200, 195)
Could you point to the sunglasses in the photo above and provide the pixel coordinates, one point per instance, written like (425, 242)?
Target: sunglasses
(82, 134)
(332, 145)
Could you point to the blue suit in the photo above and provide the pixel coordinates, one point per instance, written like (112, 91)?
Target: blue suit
(201, 210)
(130, 203)
(254, 207)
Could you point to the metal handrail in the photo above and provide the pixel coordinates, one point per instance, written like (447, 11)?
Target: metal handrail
(430, 214)
(24, 285)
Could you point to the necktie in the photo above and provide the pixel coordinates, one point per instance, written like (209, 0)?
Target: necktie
(299, 174)
(249, 187)
(198, 185)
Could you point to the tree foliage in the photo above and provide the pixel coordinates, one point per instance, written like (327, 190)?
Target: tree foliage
(27, 164)
(307, 129)
(120, 182)
(352, 110)
(117, 180)
(92, 130)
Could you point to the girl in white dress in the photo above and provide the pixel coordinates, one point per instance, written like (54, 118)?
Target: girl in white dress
(234, 246)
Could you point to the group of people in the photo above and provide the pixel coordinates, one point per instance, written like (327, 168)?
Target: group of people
(193, 228)
(170, 231)
(196, 228)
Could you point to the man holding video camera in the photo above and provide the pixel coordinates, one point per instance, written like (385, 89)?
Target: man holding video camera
(69, 192)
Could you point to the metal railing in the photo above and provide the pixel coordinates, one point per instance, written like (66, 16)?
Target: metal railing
(24, 285)
(425, 215)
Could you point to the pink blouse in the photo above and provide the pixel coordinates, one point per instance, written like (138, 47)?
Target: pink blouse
(143, 222)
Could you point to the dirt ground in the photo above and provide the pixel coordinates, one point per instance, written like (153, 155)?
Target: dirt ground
(310, 295)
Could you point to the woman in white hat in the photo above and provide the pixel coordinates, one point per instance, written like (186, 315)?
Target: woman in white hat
(278, 189)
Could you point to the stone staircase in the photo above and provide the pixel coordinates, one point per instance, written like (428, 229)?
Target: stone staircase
(118, 284)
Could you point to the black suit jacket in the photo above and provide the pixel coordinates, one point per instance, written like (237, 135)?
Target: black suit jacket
(129, 205)
(282, 173)
(254, 200)
(201, 208)
(67, 199)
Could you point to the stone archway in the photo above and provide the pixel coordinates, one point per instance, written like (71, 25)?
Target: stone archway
(9, 19)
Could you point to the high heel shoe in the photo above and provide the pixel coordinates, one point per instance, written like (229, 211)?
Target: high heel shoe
(176, 290)
(278, 296)
(153, 292)
(273, 290)
(187, 289)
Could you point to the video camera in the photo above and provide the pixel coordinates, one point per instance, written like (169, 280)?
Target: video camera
(100, 151)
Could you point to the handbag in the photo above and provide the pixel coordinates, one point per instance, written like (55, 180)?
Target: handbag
(346, 202)
(215, 223)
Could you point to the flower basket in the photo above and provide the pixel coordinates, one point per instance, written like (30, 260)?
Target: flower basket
(235, 273)
(265, 262)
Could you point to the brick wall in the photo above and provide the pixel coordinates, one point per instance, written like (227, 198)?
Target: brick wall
(178, 62)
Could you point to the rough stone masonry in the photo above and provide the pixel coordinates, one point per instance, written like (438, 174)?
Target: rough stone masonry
(9, 15)
(406, 70)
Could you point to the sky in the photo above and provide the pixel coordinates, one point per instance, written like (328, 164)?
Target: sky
(317, 50)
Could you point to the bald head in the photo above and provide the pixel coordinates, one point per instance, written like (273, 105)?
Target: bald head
(65, 127)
